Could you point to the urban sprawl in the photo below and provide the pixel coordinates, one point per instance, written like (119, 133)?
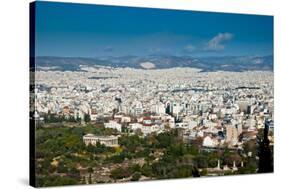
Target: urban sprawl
(223, 109)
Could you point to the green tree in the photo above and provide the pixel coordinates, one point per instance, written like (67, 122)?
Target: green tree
(119, 173)
(265, 153)
(90, 171)
(87, 118)
(146, 170)
(136, 176)
(62, 168)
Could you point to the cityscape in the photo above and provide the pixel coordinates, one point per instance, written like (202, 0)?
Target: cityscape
(123, 116)
(212, 110)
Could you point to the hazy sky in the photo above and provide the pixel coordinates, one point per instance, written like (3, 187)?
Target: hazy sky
(66, 29)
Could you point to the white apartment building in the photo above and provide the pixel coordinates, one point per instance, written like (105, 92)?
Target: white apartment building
(113, 125)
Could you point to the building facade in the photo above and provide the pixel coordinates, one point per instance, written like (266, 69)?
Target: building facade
(110, 141)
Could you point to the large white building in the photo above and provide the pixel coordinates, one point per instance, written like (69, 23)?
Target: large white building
(160, 109)
(135, 126)
(113, 125)
(111, 141)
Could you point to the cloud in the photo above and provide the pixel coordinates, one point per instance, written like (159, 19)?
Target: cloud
(218, 42)
(189, 48)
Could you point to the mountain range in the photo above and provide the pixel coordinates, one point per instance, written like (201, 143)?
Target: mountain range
(222, 63)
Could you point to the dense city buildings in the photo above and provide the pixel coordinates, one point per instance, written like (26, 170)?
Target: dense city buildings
(223, 108)
(124, 124)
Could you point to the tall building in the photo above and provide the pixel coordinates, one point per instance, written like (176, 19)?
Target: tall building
(231, 135)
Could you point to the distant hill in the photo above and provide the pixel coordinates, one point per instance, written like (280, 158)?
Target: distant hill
(225, 63)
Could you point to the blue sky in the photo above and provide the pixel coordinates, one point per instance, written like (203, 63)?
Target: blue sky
(83, 30)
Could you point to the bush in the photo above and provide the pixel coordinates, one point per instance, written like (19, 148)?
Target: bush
(146, 170)
(136, 176)
(119, 173)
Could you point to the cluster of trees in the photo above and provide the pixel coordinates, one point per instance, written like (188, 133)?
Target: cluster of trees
(133, 171)
(65, 145)
(54, 118)
(265, 151)
(165, 155)
(178, 159)
(55, 181)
